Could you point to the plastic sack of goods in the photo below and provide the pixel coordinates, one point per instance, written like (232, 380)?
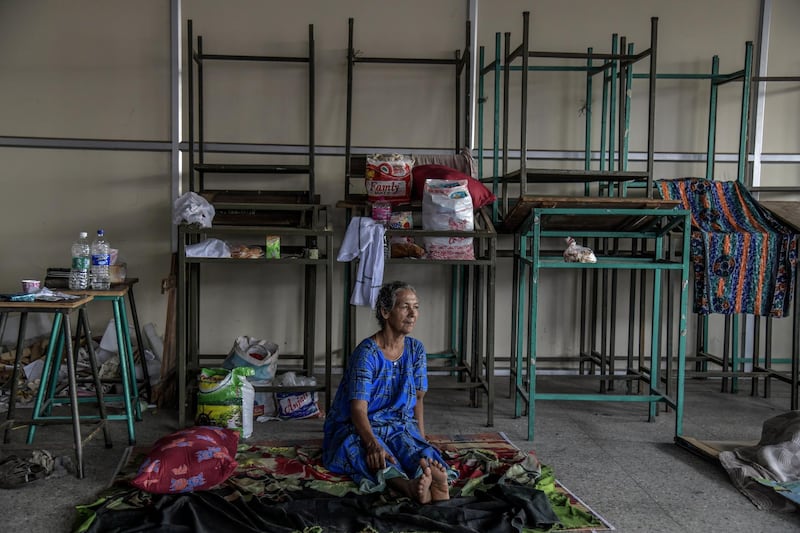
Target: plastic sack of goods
(260, 355)
(225, 399)
(388, 178)
(447, 206)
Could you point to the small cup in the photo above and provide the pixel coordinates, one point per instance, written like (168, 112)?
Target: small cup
(30, 285)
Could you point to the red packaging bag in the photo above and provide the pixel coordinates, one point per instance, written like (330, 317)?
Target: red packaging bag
(388, 178)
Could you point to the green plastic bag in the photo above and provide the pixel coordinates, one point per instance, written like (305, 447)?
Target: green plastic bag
(225, 399)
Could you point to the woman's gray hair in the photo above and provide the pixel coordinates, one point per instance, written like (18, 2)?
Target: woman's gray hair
(387, 298)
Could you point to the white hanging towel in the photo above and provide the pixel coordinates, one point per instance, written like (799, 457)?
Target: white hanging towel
(364, 240)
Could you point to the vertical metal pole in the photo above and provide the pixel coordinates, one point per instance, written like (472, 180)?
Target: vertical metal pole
(328, 317)
(587, 108)
(311, 115)
(201, 151)
(746, 82)
(625, 147)
(473, 73)
(651, 108)
(479, 118)
(348, 147)
(795, 343)
(759, 102)
(622, 96)
(712, 119)
(523, 133)
(612, 112)
(532, 321)
(181, 318)
(496, 129)
(190, 97)
(655, 328)
(490, 325)
(506, 83)
(518, 329)
(176, 111)
(683, 312)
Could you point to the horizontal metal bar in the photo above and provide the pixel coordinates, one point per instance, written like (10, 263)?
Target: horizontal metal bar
(776, 78)
(76, 143)
(588, 55)
(604, 264)
(406, 61)
(676, 76)
(266, 59)
(601, 397)
(60, 143)
(554, 68)
(665, 212)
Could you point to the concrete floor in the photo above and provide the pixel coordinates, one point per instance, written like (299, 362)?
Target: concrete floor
(628, 469)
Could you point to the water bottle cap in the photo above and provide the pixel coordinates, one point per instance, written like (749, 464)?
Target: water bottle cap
(100, 232)
(83, 235)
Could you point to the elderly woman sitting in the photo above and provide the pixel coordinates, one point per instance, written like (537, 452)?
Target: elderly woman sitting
(375, 430)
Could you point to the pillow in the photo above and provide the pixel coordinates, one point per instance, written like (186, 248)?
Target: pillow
(481, 196)
(196, 458)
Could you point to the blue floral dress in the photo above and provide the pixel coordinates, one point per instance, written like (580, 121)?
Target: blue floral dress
(390, 390)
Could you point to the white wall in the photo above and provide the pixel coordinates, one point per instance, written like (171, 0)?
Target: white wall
(100, 70)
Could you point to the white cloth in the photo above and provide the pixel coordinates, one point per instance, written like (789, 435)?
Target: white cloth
(364, 240)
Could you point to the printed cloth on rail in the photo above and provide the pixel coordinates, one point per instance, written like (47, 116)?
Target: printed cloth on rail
(744, 258)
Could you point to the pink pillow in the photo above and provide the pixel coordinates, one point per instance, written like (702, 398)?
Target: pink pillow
(481, 196)
(189, 460)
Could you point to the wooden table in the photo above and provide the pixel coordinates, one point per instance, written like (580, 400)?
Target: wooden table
(60, 338)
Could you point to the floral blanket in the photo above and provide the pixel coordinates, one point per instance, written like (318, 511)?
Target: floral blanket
(283, 487)
(744, 258)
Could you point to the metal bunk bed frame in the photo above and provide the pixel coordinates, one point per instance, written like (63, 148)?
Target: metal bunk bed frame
(470, 355)
(295, 216)
(606, 219)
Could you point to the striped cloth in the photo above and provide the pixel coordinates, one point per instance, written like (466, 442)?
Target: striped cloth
(744, 258)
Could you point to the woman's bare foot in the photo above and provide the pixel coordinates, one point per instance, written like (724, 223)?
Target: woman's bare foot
(440, 489)
(418, 489)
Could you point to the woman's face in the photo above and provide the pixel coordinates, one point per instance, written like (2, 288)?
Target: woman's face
(403, 317)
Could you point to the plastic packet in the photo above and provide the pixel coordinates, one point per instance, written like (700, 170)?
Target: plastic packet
(193, 209)
(388, 178)
(209, 248)
(260, 355)
(297, 404)
(578, 254)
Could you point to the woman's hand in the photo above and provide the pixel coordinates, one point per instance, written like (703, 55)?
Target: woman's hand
(377, 456)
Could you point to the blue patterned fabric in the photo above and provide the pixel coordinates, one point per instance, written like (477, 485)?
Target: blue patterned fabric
(390, 389)
(744, 258)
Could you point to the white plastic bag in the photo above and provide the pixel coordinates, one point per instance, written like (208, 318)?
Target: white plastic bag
(447, 206)
(260, 355)
(193, 209)
(209, 248)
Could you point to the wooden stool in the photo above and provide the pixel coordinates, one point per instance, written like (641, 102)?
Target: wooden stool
(130, 390)
(60, 340)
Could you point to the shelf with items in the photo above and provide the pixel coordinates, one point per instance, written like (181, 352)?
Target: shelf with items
(255, 195)
(469, 354)
(310, 247)
(648, 223)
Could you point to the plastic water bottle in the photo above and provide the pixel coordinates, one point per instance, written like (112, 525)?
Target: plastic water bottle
(81, 258)
(101, 259)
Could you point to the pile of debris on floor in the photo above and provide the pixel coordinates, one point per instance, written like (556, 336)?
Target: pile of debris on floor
(107, 356)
